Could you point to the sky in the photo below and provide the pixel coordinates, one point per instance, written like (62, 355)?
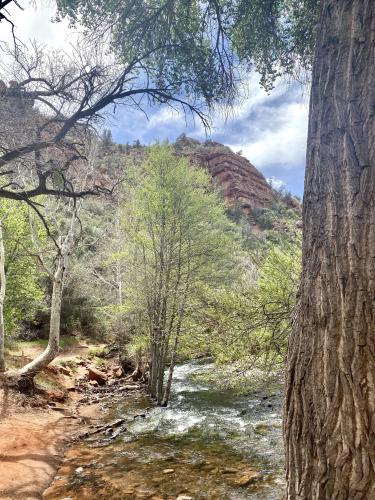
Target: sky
(269, 130)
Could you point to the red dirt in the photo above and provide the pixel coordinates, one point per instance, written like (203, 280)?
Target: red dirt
(31, 446)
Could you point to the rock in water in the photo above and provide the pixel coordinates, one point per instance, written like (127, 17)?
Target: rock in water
(247, 478)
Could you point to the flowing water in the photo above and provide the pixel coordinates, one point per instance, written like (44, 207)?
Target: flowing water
(207, 444)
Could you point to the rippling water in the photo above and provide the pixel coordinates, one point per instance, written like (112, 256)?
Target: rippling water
(206, 439)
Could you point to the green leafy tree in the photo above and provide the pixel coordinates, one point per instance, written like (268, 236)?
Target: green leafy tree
(249, 322)
(21, 293)
(25, 293)
(178, 237)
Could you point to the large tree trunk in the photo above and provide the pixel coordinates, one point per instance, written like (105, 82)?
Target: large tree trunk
(329, 421)
(2, 299)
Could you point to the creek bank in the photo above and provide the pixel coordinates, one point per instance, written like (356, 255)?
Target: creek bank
(37, 428)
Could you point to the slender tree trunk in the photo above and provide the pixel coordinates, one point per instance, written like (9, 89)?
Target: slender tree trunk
(329, 420)
(154, 364)
(52, 348)
(167, 392)
(160, 385)
(2, 299)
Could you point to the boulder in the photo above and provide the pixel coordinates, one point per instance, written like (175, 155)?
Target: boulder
(68, 383)
(246, 477)
(65, 371)
(117, 371)
(97, 375)
(56, 395)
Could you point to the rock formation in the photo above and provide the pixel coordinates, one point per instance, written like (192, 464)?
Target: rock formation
(241, 183)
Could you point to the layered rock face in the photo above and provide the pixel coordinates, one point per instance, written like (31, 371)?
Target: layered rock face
(241, 183)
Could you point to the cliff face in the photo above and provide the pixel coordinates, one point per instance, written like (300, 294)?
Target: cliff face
(241, 183)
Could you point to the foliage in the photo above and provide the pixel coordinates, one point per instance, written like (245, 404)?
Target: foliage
(194, 46)
(174, 200)
(277, 36)
(249, 324)
(25, 291)
(182, 44)
(177, 238)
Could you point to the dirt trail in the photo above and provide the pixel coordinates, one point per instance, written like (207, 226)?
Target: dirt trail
(33, 437)
(31, 444)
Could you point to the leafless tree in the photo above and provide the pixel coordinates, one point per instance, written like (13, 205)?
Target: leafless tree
(53, 103)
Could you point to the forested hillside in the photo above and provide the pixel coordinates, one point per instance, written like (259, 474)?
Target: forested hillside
(97, 302)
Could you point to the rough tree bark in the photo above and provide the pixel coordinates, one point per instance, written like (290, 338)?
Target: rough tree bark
(329, 419)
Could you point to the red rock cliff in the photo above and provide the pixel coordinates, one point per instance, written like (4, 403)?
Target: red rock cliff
(242, 184)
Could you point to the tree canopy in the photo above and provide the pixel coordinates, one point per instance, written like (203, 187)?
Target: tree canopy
(195, 47)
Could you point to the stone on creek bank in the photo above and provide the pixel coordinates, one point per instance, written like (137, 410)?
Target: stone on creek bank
(97, 375)
(65, 371)
(117, 372)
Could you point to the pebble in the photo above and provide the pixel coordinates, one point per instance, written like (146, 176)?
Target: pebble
(229, 470)
(79, 470)
(168, 471)
(144, 494)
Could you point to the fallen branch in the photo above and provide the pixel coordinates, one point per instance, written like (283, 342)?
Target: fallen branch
(102, 428)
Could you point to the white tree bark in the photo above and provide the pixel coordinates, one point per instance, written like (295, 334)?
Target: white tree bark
(52, 349)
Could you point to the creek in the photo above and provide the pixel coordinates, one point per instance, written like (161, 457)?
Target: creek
(208, 444)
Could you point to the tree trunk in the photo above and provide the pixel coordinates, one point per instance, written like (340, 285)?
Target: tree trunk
(154, 364)
(52, 349)
(160, 385)
(168, 387)
(2, 299)
(329, 420)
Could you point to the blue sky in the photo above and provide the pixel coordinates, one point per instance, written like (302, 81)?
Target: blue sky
(270, 130)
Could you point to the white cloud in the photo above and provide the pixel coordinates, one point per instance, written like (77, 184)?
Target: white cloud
(34, 22)
(166, 116)
(276, 183)
(279, 138)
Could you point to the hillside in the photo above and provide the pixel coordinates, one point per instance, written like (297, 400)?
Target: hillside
(241, 183)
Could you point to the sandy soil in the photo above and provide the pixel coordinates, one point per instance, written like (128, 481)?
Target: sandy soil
(31, 445)
(33, 437)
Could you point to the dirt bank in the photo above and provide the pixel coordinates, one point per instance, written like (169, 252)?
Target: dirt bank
(35, 430)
